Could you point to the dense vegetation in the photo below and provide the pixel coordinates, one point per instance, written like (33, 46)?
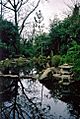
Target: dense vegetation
(9, 37)
(60, 45)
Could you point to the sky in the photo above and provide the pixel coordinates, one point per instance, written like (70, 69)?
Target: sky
(52, 8)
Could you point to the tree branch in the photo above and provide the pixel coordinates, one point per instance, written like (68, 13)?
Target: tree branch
(22, 26)
(22, 3)
(18, 2)
(11, 3)
(25, 2)
(19, 6)
(70, 7)
(7, 7)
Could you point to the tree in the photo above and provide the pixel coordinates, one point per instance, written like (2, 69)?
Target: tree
(38, 22)
(73, 57)
(15, 10)
(37, 27)
(62, 33)
(54, 34)
(18, 7)
(8, 35)
(73, 6)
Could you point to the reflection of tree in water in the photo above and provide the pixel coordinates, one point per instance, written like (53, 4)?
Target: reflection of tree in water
(6, 90)
(20, 106)
(74, 99)
(69, 94)
(53, 86)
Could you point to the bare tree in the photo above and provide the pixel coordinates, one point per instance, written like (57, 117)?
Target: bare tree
(20, 10)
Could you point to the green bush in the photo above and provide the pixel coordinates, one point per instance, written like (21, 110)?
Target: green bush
(5, 63)
(56, 60)
(20, 61)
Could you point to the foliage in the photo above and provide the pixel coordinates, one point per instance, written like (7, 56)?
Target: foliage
(5, 63)
(65, 37)
(72, 53)
(16, 8)
(73, 57)
(38, 46)
(64, 32)
(39, 62)
(56, 60)
(21, 61)
(9, 30)
(10, 39)
(63, 40)
(2, 45)
(8, 63)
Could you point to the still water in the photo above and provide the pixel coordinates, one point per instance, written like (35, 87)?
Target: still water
(30, 99)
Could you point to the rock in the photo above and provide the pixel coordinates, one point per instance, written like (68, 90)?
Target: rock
(46, 72)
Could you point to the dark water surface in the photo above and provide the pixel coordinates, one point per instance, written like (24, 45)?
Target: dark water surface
(30, 99)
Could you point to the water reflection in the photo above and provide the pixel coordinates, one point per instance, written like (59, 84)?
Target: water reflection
(6, 89)
(8, 103)
(20, 104)
(69, 94)
(29, 99)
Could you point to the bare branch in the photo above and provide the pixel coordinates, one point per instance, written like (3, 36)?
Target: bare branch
(70, 7)
(22, 26)
(21, 4)
(18, 3)
(10, 3)
(25, 2)
(4, 3)
(7, 7)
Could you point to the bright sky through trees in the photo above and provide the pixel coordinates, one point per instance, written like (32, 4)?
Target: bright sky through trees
(60, 8)
(52, 8)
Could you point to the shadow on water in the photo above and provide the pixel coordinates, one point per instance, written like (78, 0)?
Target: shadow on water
(69, 94)
(18, 102)
(30, 99)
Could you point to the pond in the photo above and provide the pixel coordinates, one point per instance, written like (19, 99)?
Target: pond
(31, 99)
